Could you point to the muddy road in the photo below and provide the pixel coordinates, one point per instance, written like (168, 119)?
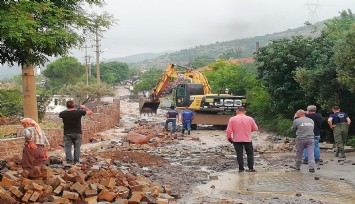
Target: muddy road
(202, 168)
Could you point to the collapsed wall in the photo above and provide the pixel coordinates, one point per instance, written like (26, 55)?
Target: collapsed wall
(105, 117)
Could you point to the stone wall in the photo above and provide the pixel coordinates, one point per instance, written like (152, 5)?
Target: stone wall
(105, 117)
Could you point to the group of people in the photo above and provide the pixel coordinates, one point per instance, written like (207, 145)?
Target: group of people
(173, 117)
(36, 142)
(307, 127)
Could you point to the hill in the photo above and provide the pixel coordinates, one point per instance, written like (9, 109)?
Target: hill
(137, 57)
(246, 47)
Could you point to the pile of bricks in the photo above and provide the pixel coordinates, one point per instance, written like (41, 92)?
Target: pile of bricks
(100, 183)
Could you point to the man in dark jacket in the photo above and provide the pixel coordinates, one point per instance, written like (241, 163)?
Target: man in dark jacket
(317, 118)
(171, 116)
(72, 129)
(339, 122)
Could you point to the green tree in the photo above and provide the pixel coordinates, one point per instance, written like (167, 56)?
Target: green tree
(11, 103)
(238, 78)
(149, 80)
(231, 54)
(323, 81)
(345, 59)
(114, 72)
(277, 63)
(30, 31)
(64, 71)
(81, 93)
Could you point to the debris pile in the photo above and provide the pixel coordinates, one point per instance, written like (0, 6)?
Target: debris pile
(102, 182)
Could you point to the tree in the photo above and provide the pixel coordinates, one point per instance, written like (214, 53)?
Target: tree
(11, 103)
(277, 63)
(325, 81)
(114, 72)
(345, 59)
(231, 54)
(64, 71)
(83, 93)
(149, 80)
(32, 30)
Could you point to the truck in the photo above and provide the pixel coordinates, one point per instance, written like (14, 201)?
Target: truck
(195, 94)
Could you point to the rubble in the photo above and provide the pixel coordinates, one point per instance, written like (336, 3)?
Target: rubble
(101, 183)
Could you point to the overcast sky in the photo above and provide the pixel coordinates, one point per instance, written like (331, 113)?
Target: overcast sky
(165, 25)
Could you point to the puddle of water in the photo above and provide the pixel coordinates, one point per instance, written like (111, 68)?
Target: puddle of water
(272, 184)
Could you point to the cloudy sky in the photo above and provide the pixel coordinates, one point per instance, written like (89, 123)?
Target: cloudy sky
(165, 25)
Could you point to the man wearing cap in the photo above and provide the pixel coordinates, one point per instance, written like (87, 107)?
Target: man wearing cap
(303, 127)
(239, 131)
(339, 122)
(172, 115)
(317, 119)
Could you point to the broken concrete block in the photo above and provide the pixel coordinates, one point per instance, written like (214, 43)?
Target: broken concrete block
(70, 195)
(106, 195)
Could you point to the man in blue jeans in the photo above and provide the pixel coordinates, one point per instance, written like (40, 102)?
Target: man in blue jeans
(172, 115)
(317, 118)
(72, 129)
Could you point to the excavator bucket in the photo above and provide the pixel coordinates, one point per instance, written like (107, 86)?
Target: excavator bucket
(148, 106)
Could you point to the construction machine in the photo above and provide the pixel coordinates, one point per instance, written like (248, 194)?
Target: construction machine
(195, 94)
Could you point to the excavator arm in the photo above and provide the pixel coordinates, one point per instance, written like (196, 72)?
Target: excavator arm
(151, 105)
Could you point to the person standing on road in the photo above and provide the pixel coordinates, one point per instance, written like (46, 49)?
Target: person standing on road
(72, 129)
(339, 122)
(303, 127)
(239, 131)
(186, 117)
(172, 115)
(317, 119)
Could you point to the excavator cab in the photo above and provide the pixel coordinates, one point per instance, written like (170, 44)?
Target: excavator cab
(184, 91)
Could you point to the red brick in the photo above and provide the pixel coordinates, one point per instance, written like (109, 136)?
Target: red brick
(14, 190)
(7, 182)
(167, 189)
(58, 199)
(110, 183)
(70, 195)
(27, 195)
(106, 195)
(35, 196)
(91, 200)
(78, 188)
(136, 197)
(90, 193)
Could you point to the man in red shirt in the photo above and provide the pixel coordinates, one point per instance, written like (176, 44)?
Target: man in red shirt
(239, 132)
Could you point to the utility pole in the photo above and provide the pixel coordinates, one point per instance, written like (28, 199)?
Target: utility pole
(97, 41)
(87, 62)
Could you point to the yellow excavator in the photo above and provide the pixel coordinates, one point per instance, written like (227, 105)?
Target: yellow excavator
(194, 93)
